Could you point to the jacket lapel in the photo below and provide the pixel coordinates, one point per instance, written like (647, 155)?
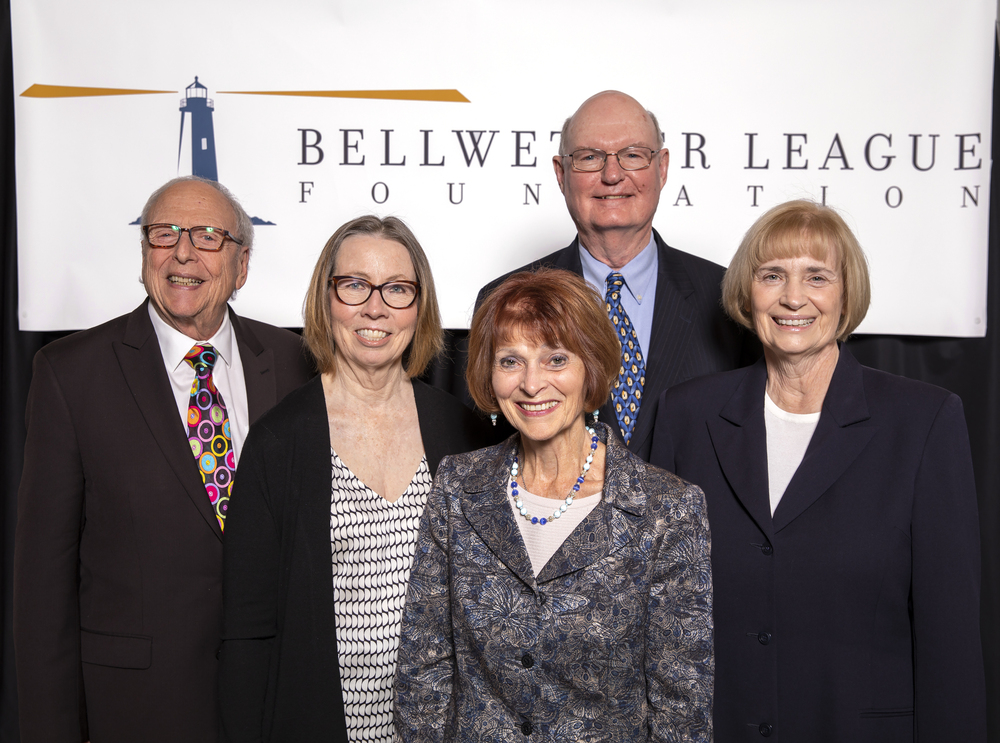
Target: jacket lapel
(142, 367)
(258, 369)
(839, 438)
(740, 443)
(569, 259)
(490, 515)
(668, 338)
(611, 525)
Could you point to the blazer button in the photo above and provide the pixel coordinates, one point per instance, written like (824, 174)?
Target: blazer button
(767, 549)
(527, 661)
(763, 638)
(526, 727)
(765, 729)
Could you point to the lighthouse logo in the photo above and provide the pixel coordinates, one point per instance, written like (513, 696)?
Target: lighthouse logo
(197, 111)
(197, 103)
(200, 107)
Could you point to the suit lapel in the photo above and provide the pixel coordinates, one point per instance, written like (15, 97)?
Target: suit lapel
(610, 417)
(258, 369)
(142, 367)
(740, 443)
(611, 525)
(668, 338)
(488, 512)
(840, 436)
(670, 333)
(569, 259)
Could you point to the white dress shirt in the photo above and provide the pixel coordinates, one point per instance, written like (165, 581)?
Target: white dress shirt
(228, 373)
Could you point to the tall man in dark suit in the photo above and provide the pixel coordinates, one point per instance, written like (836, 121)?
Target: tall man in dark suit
(611, 168)
(133, 431)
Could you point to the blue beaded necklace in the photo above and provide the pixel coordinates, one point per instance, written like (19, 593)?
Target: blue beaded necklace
(523, 510)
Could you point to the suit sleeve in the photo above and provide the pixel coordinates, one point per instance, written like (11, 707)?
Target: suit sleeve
(251, 554)
(750, 348)
(424, 709)
(661, 453)
(679, 657)
(481, 297)
(949, 683)
(47, 566)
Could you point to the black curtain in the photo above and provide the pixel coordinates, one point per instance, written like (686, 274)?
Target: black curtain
(964, 366)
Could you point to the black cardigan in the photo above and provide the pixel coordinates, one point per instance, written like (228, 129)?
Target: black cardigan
(279, 679)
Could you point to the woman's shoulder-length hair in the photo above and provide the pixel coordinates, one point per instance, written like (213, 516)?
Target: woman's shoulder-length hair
(549, 306)
(790, 230)
(428, 338)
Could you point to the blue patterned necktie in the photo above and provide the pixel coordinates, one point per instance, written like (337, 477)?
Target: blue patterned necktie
(209, 431)
(632, 374)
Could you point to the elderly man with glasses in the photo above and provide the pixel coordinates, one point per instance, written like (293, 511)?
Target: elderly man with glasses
(664, 303)
(134, 431)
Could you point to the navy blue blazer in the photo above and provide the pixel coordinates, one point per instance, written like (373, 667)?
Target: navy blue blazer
(852, 614)
(691, 335)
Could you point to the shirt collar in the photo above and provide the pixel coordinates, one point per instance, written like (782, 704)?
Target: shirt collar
(639, 273)
(174, 345)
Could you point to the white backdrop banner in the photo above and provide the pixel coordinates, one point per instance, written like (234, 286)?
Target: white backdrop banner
(446, 113)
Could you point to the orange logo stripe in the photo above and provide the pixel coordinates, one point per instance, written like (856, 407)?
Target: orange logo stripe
(70, 91)
(449, 96)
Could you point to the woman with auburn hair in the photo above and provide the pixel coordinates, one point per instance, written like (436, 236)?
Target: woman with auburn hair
(323, 522)
(845, 540)
(562, 589)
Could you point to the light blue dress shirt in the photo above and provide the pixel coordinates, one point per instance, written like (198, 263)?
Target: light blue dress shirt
(640, 284)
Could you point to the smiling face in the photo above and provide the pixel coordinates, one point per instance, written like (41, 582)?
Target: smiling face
(612, 200)
(189, 288)
(539, 388)
(372, 335)
(797, 305)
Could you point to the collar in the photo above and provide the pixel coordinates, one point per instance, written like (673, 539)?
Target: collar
(623, 481)
(639, 273)
(845, 402)
(174, 345)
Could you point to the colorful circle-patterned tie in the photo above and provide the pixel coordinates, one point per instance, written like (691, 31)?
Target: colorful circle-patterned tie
(208, 431)
(632, 373)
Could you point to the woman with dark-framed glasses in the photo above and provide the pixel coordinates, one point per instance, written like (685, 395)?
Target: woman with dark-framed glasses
(323, 522)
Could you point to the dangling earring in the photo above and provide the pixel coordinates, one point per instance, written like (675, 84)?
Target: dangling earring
(493, 418)
(595, 414)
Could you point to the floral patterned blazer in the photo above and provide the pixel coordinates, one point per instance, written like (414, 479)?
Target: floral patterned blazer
(611, 642)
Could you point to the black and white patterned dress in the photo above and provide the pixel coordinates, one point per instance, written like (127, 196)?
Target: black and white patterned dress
(372, 543)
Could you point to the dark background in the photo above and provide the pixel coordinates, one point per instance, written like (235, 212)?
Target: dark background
(964, 366)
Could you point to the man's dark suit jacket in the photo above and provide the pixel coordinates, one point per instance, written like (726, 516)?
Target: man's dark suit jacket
(118, 555)
(691, 334)
(852, 614)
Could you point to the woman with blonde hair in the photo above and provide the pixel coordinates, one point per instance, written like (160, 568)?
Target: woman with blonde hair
(845, 541)
(323, 521)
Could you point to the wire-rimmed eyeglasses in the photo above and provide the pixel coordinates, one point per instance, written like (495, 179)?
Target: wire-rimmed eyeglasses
(352, 291)
(629, 158)
(203, 238)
